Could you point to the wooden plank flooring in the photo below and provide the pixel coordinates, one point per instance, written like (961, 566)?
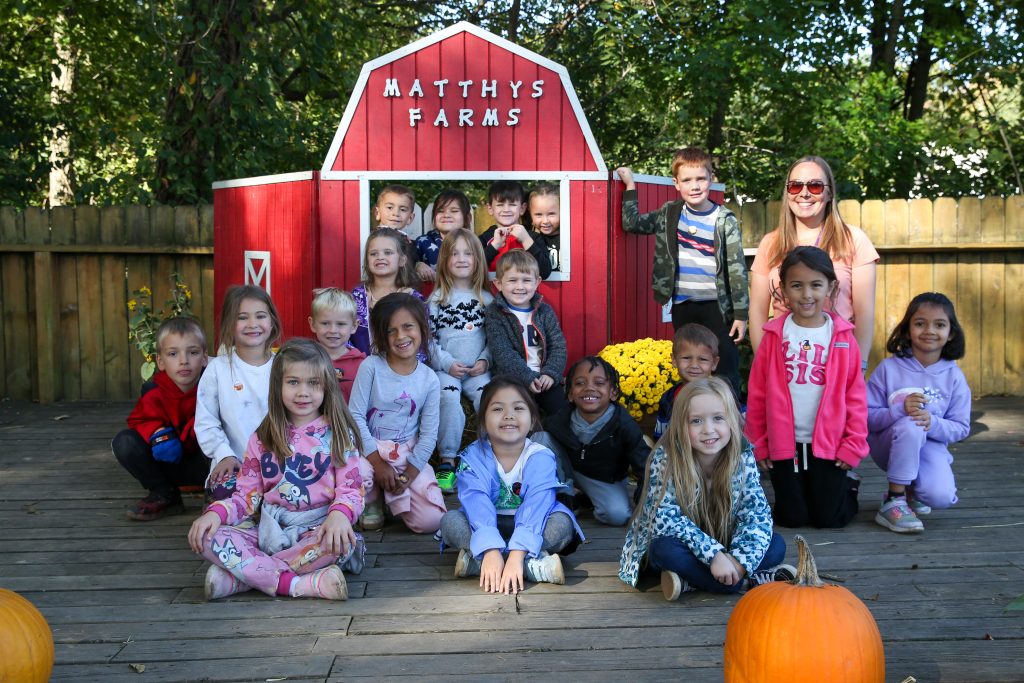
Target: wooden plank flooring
(118, 592)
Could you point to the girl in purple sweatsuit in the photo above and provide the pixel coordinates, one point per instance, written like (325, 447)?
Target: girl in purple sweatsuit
(918, 404)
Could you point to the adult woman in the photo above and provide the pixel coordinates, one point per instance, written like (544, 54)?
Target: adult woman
(810, 216)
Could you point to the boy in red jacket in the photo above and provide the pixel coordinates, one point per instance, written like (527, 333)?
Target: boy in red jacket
(160, 449)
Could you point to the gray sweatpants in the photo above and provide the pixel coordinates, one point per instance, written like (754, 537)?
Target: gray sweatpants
(453, 420)
(456, 532)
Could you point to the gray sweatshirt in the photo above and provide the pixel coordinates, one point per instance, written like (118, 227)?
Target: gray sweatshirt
(458, 327)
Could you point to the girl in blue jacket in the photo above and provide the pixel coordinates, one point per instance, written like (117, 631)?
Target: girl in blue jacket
(510, 527)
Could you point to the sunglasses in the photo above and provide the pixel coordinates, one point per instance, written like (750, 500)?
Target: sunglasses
(815, 187)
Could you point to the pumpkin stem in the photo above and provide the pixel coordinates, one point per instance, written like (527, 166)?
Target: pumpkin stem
(806, 570)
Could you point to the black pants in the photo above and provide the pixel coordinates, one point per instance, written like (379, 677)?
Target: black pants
(551, 401)
(821, 496)
(164, 478)
(708, 314)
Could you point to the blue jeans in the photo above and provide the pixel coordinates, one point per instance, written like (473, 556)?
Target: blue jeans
(668, 553)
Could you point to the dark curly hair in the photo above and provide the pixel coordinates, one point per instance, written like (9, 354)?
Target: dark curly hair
(594, 362)
(899, 341)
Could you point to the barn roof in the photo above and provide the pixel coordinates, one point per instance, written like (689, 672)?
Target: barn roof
(509, 132)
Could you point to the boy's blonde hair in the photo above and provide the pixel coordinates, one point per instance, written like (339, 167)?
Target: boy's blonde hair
(517, 259)
(695, 334)
(233, 299)
(332, 299)
(402, 190)
(692, 156)
(477, 281)
(180, 326)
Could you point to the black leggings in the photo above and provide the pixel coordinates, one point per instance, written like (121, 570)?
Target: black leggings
(708, 314)
(164, 478)
(820, 495)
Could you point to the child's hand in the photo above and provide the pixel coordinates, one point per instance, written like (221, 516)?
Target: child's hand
(738, 331)
(490, 571)
(203, 528)
(520, 232)
(626, 176)
(383, 474)
(224, 470)
(512, 576)
(335, 535)
(500, 235)
(923, 419)
(843, 465)
(723, 568)
(479, 368)
(406, 478)
(458, 370)
(424, 272)
(541, 384)
(913, 403)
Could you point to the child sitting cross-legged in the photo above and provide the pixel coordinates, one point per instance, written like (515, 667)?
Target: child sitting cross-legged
(596, 440)
(301, 480)
(510, 527)
(703, 520)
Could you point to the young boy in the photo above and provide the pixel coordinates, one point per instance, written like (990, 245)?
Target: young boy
(596, 441)
(523, 334)
(396, 208)
(695, 355)
(506, 204)
(333, 321)
(698, 256)
(160, 449)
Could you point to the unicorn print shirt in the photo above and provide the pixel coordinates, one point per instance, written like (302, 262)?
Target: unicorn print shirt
(388, 406)
(307, 480)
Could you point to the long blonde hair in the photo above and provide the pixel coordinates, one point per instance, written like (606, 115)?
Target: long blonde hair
(836, 237)
(273, 431)
(708, 506)
(445, 281)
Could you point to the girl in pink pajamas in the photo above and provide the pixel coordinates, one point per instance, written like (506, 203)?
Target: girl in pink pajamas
(301, 471)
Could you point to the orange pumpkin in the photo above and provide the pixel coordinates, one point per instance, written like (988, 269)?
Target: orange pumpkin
(802, 631)
(26, 644)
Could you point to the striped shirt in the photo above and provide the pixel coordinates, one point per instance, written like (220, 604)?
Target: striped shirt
(695, 274)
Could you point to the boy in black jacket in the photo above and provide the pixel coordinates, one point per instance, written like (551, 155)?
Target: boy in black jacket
(596, 439)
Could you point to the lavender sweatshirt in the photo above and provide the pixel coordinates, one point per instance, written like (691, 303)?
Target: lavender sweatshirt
(943, 383)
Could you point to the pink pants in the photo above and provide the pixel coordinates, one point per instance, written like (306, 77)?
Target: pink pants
(910, 458)
(421, 505)
(237, 550)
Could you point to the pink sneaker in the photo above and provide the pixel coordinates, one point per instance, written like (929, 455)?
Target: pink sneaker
(327, 583)
(221, 583)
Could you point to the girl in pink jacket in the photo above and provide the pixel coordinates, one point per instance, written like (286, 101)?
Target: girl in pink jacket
(807, 406)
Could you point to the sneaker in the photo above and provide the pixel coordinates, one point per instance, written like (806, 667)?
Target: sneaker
(782, 572)
(327, 583)
(672, 586)
(466, 565)
(155, 506)
(897, 516)
(372, 518)
(544, 569)
(220, 583)
(919, 508)
(445, 474)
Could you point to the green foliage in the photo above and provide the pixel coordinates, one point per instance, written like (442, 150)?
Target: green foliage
(144, 320)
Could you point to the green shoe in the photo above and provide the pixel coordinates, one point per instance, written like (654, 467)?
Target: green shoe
(446, 478)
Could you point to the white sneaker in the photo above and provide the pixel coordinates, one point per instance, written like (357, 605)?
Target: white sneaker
(672, 586)
(544, 569)
(372, 518)
(897, 516)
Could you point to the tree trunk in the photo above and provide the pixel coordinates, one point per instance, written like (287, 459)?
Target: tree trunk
(916, 92)
(886, 21)
(62, 78)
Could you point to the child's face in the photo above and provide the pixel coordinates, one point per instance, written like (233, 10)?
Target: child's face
(302, 393)
(694, 361)
(449, 217)
(332, 328)
(545, 214)
(462, 262)
(694, 184)
(591, 392)
(518, 287)
(507, 419)
(707, 425)
(394, 210)
(253, 325)
(929, 331)
(383, 257)
(183, 358)
(806, 292)
(506, 212)
(404, 336)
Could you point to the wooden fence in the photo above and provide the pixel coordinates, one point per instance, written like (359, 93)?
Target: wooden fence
(66, 276)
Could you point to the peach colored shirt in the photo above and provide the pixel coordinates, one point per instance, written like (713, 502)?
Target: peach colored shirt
(863, 254)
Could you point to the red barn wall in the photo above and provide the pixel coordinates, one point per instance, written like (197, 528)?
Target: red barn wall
(340, 251)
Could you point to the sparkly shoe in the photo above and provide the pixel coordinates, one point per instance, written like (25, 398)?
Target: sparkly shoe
(897, 516)
(220, 583)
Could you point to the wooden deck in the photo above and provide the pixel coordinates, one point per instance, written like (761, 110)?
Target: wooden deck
(120, 593)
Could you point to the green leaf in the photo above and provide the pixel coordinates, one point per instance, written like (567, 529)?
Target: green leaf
(147, 370)
(1017, 605)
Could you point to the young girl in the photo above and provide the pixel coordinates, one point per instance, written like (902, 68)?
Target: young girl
(395, 403)
(384, 272)
(460, 355)
(301, 474)
(545, 217)
(806, 408)
(451, 211)
(510, 525)
(703, 520)
(232, 397)
(918, 404)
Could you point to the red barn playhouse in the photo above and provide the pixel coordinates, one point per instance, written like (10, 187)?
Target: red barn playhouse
(460, 105)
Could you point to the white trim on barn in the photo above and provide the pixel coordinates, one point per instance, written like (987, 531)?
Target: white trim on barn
(661, 180)
(462, 26)
(464, 175)
(264, 180)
